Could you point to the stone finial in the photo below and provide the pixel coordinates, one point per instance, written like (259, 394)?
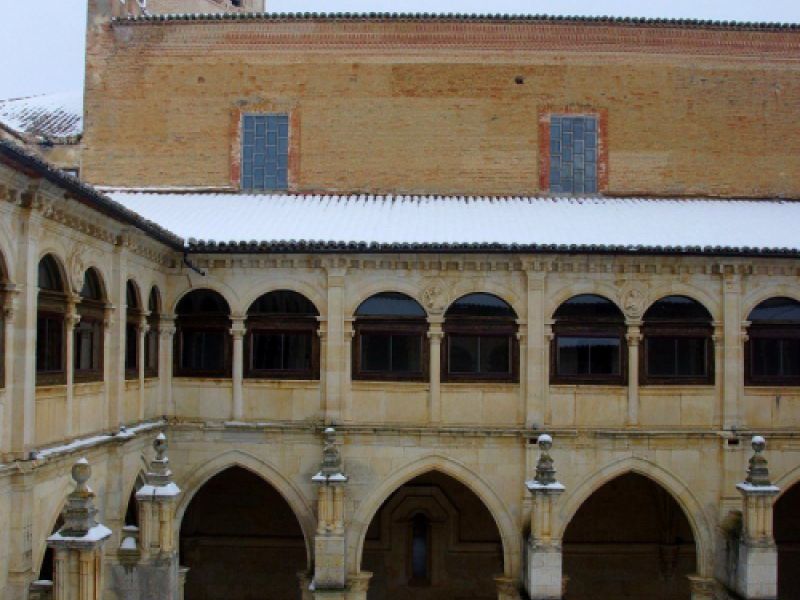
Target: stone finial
(331, 459)
(545, 472)
(331, 467)
(160, 473)
(758, 471)
(79, 515)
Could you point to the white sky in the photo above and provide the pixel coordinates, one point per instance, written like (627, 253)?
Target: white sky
(41, 41)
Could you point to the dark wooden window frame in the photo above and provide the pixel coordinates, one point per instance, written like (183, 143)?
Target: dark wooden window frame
(52, 305)
(282, 324)
(480, 327)
(90, 311)
(198, 324)
(676, 330)
(586, 329)
(132, 323)
(388, 326)
(768, 330)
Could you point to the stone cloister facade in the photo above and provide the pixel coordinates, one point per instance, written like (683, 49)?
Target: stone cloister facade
(691, 441)
(379, 307)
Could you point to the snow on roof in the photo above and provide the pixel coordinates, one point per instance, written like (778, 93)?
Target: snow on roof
(54, 116)
(237, 222)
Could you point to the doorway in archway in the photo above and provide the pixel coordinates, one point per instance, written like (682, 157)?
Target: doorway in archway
(786, 521)
(241, 541)
(433, 539)
(629, 540)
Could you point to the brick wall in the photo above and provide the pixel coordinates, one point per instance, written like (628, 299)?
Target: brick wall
(439, 106)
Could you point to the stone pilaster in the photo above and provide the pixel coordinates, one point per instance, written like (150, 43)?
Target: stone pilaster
(71, 320)
(166, 334)
(77, 546)
(142, 330)
(537, 384)
(329, 541)
(756, 576)
(148, 556)
(543, 568)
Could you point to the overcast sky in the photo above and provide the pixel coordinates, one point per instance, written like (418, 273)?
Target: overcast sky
(41, 41)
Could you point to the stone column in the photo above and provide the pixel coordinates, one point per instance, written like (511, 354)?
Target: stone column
(757, 568)
(702, 587)
(329, 542)
(142, 330)
(522, 342)
(348, 335)
(108, 319)
(237, 376)
(9, 312)
(20, 542)
(166, 334)
(718, 338)
(358, 585)
(543, 571)
(633, 337)
(78, 545)
(435, 335)
(71, 320)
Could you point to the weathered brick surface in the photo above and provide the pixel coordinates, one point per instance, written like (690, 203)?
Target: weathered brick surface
(433, 106)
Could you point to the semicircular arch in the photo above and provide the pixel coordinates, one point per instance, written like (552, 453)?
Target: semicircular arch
(572, 289)
(678, 489)
(762, 293)
(271, 475)
(391, 284)
(227, 292)
(312, 293)
(367, 509)
(677, 288)
(482, 286)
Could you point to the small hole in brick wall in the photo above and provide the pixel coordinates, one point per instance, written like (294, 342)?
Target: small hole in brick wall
(201, 80)
(733, 441)
(519, 80)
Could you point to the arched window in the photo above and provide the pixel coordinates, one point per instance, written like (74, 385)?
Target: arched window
(389, 342)
(151, 340)
(588, 346)
(772, 352)
(133, 316)
(51, 307)
(202, 340)
(420, 550)
(88, 338)
(480, 340)
(282, 340)
(677, 343)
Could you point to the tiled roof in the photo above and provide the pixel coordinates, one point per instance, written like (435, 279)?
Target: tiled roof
(53, 116)
(216, 222)
(19, 158)
(383, 16)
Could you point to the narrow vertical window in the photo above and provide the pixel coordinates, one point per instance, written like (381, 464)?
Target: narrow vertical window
(133, 316)
(265, 152)
(420, 550)
(573, 154)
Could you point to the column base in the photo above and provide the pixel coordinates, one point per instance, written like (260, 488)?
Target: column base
(544, 579)
(702, 587)
(507, 588)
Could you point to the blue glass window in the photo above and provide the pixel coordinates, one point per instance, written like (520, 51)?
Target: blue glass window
(573, 155)
(265, 152)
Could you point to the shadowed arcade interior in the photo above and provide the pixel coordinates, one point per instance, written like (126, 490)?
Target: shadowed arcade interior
(629, 540)
(433, 539)
(786, 521)
(241, 541)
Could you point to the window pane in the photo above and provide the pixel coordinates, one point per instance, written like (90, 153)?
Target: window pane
(463, 353)
(49, 338)
(588, 356)
(495, 354)
(605, 356)
(265, 152)
(152, 351)
(375, 351)
(406, 353)
(661, 356)
(765, 357)
(791, 358)
(267, 351)
(297, 351)
(203, 350)
(419, 548)
(573, 142)
(131, 350)
(691, 357)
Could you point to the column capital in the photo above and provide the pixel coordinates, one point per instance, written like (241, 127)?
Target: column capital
(238, 327)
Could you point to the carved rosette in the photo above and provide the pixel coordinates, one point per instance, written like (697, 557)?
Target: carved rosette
(435, 298)
(634, 302)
